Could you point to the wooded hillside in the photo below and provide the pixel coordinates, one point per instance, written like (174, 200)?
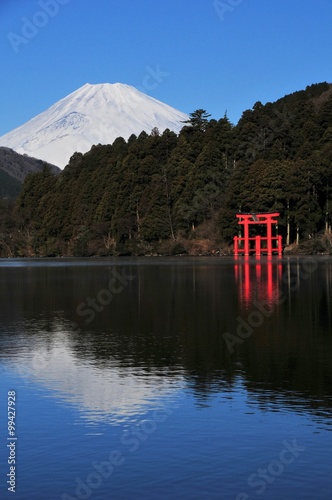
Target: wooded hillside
(163, 193)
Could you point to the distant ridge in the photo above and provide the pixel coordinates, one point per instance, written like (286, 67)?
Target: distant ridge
(14, 168)
(93, 114)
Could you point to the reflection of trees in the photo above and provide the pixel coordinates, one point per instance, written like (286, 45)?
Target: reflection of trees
(171, 320)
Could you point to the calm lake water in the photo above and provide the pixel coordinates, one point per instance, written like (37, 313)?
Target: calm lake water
(177, 378)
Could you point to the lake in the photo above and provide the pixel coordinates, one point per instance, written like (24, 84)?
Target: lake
(166, 378)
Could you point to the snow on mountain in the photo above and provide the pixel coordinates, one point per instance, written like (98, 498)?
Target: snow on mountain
(93, 114)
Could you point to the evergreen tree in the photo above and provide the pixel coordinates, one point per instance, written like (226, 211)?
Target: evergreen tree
(198, 119)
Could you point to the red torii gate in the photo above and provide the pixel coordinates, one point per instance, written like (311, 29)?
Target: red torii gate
(260, 247)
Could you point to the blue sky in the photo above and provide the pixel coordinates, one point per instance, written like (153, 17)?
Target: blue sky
(213, 54)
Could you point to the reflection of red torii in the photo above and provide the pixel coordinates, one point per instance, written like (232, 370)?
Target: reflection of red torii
(263, 219)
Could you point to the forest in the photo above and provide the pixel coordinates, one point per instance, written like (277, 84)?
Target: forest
(168, 194)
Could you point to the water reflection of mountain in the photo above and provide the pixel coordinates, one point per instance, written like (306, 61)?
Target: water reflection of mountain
(100, 390)
(168, 325)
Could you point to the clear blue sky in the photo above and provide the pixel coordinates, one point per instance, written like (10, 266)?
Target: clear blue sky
(218, 58)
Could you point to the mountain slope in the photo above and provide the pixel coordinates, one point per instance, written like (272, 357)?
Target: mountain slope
(14, 168)
(93, 114)
(19, 166)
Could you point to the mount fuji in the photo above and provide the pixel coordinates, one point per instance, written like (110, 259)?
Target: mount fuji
(93, 114)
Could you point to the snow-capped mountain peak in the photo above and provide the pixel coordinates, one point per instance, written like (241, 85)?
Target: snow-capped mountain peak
(93, 114)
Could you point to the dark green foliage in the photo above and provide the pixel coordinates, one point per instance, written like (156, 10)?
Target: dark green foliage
(284, 163)
(198, 119)
(9, 186)
(131, 196)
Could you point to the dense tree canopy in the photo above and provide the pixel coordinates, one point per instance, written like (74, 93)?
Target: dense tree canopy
(154, 193)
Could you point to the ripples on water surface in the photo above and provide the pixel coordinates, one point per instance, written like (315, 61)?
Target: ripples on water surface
(197, 378)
